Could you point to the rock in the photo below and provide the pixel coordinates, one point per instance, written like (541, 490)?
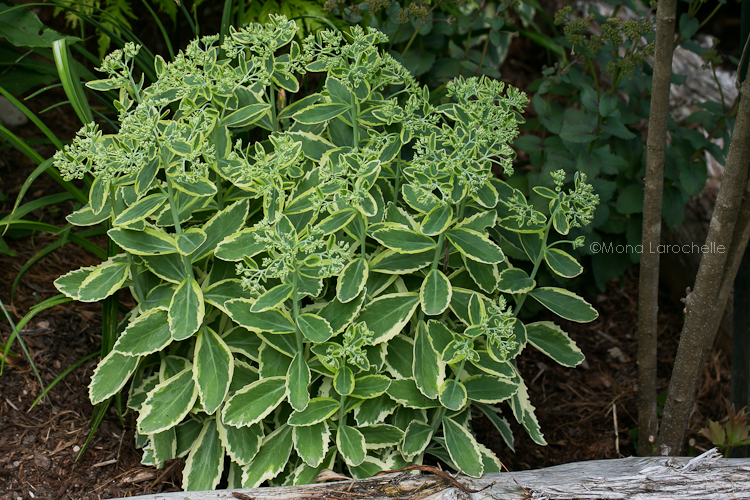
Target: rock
(10, 115)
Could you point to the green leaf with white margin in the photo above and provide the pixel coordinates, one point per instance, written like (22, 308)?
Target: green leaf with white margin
(555, 343)
(241, 444)
(435, 293)
(416, 439)
(253, 403)
(271, 321)
(148, 333)
(462, 448)
(92, 284)
(164, 445)
(245, 117)
(486, 276)
(186, 310)
(340, 315)
(270, 460)
(562, 263)
(111, 375)
(489, 365)
(187, 433)
(406, 393)
(565, 304)
(374, 411)
(489, 389)
(168, 403)
(166, 267)
(140, 209)
(337, 220)
(427, 367)
(453, 395)
(387, 315)
(217, 294)
(523, 410)
(392, 262)
(490, 462)
(343, 381)
(500, 423)
(85, 216)
(272, 298)
(190, 240)
(370, 467)
(147, 242)
(314, 328)
(319, 113)
(515, 280)
(272, 362)
(352, 280)
(297, 380)
(404, 240)
(475, 245)
(243, 341)
(205, 462)
(212, 369)
(437, 220)
(318, 410)
(381, 436)
(370, 386)
(351, 444)
(399, 358)
(238, 245)
(311, 442)
(220, 226)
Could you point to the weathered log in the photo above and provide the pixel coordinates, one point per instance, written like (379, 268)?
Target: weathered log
(706, 477)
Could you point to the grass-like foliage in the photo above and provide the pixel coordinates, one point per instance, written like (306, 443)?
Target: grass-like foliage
(335, 295)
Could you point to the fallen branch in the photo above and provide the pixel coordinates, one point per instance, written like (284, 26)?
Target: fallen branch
(706, 477)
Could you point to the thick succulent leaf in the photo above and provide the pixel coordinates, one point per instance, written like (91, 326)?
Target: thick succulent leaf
(500, 423)
(205, 462)
(340, 315)
(92, 284)
(146, 242)
(223, 291)
(404, 240)
(381, 436)
(392, 262)
(387, 315)
(221, 225)
(241, 444)
(167, 267)
(271, 321)
(489, 389)
(428, 368)
(270, 460)
(523, 410)
(253, 403)
(416, 438)
(168, 403)
(213, 369)
(164, 445)
(475, 245)
(453, 395)
(370, 386)
(343, 381)
(515, 280)
(111, 375)
(562, 263)
(555, 343)
(352, 280)
(463, 448)
(351, 445)
(140, 209)
(437, 220)
(272, 298)
(317, 410)
(374, 411)
(406, 393)
(314, 328)
(311, 442)
(297, 380)
(435, 293)
(565, 304)
(148, 333)
(236, 246)
(186, 310)
(399, 359)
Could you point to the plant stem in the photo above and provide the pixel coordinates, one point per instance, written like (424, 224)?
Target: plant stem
(187, 266)
(397, 186)
(355, 128)
(295, 315)
(342, 414)
(537, 262)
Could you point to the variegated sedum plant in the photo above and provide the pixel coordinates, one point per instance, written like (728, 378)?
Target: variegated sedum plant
(320, 280)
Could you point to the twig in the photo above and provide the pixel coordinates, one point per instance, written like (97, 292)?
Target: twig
(439, 473)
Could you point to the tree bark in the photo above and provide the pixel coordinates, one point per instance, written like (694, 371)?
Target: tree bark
(705, 298)
(648, 292)
(705, 477)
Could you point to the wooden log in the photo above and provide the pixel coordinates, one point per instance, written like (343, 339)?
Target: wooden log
(706, 477)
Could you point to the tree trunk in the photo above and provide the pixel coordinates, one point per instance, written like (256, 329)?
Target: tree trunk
(705, 298)
(648, 292)
(706, 477)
